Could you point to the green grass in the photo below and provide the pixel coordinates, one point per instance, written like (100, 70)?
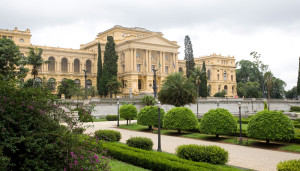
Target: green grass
(99, 120)
(199, 136)
(117, 165)
(134, 126)
(293, 148)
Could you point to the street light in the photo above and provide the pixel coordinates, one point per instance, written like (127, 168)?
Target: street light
(159, 140)
(240, 104)
(118, 103)
(154, 84)
(85, 87)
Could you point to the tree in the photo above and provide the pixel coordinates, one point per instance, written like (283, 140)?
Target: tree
(188, 56)
(219, 122)
(103, 83)
(278, 88)
(220, 94)
(148, 116)
(270, 125)
(99, 71)
(177, 90)
(148, 100)
(298, 82)
(203, 85)
(290, 94)
(180, 118)
(10, 60)
(269, 81)
(113, 86)
(128, 112)
(110, 57)
(67, 87)
(35, 60)
(197, 75)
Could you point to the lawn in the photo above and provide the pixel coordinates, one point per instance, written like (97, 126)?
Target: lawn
(117, 165)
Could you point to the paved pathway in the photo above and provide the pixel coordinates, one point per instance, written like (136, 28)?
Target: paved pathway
(241, 156)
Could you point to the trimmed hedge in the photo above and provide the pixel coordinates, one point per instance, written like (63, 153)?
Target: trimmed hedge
(140, 142)
(297, 125)
(295, 108)
(108, 135)
(201, 153)
(148, 116)
(289, 165)
(111, 117)
(157, 160)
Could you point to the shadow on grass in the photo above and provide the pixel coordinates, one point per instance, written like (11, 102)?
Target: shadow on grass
(271, 145)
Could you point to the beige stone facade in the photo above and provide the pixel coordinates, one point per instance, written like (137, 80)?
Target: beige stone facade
(139, 51)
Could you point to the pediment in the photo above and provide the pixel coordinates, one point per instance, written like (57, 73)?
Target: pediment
(157, 40)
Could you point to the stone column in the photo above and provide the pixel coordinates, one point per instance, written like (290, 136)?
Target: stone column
(146, 61)
(173, 63)
(134, 59)
(131, 60)
(163, 62)
(149, 61)
(160, 62)
(176, 62)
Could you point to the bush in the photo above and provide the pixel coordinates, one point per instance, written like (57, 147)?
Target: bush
(180, 118)
(297, 125)
(78, 130)
(289, 165)
(111, 117)
(201, 153)
(157, 161)
(298, 120)
(295, 108)
(270, 125)
(219, 122)
(148, 116)
(148, 100)
(220, 94)
(140, 142)
(128, 112)
(108, 135)
(84, 115)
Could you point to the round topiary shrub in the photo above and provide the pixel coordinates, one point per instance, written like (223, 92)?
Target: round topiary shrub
(201, 153)
(219, 122)
(289, 165)
(180, 118)
(140, 142)
(128, 112)
(148, 116)
(270, 125)
(108, 135)
(111, 117)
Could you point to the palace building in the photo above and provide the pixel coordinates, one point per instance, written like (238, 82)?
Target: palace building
(139, 52)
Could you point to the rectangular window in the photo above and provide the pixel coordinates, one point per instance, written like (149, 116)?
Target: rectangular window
(10, 37)
(218, 77)
(219, 88)
(231, 77)
(123, 68)
(4, 37)
(152, 68)
(166, 69)
(138, 67)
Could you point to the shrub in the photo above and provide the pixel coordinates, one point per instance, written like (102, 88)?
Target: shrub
(140, 142)
(270, 125)
(128, 112)
(148, 100)
(157, 161)
(298, 120)
(265, 106)
(78, 130)
(201, 153)
(297, 125)
(84, 115)
(148, 116)
(180, 118)
(220, 94)
(111, 117)
(289, 165)
(295, 108)
(219, 122)
(108, 135)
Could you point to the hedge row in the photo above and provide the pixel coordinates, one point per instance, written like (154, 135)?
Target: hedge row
(111, 117)
(108, 135)
(156, 160)
(140, 142)
(289, 165)
(295, 108)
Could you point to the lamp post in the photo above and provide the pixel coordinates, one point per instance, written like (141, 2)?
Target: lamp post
(159, 140)
(240, 116)
(85, 87)
(154, 84)
(118, 103)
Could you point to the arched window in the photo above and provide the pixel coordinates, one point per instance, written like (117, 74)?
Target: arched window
(225, 88)
(231, 77)
(139, 85)
(38, 82)
(64, 65)
(208, 74)
(138, 55)
(88, 66)
(180, 69)
(51, 84)
(88, 83)
(225, 76)
(51, 64)
(233, 90)
(209, 89)
(76, 65)
(77, 82)
(152, 56)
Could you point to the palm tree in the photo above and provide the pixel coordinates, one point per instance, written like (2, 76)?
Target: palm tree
(196, 75)
(268, 77)
(177, 90)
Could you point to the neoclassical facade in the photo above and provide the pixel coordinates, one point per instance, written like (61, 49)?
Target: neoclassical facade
(139, 52)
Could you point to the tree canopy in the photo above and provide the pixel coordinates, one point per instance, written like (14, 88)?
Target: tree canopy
(189, 56)
(99, 71)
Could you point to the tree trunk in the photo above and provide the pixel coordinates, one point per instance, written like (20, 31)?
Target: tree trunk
(127, 122)
(150, 127)
(111, 95)
(269, 98)
(217, 135)
(179, 131)
(267, 141)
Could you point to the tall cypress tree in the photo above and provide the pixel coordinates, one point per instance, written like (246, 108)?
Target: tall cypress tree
(188, 56)
(103, 81)
(111, 57)
(99, 71)
(203, 85)
(298, 83)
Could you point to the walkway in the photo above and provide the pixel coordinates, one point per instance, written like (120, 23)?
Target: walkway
(241, 156)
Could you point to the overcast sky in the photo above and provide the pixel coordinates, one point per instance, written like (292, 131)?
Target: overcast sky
(226, 27)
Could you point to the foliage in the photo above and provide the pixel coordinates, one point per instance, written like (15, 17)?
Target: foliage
(289, 165)
(78, 130)
(269, 81)
(10, 60)
(128, 112)
(113, 86)
(67, 87)
(157, 161)
(203, 85)
(249, 89)
(110, 57)
(270, 125)
(278, 88)
(188, 56)
(292, 93)
(201, 153)
(298, 82)
(177, 90)
(99, 70)
(140, 142)
(35, 60)
(220, 94)
(148, 116)
(197, 75)
(219, 122)
(247, 71)
(265, 106)
(295, 108)
(84, 115)
(180, 118)
(111, 117)
(148, 100)
(103, 82)
(108, 135)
